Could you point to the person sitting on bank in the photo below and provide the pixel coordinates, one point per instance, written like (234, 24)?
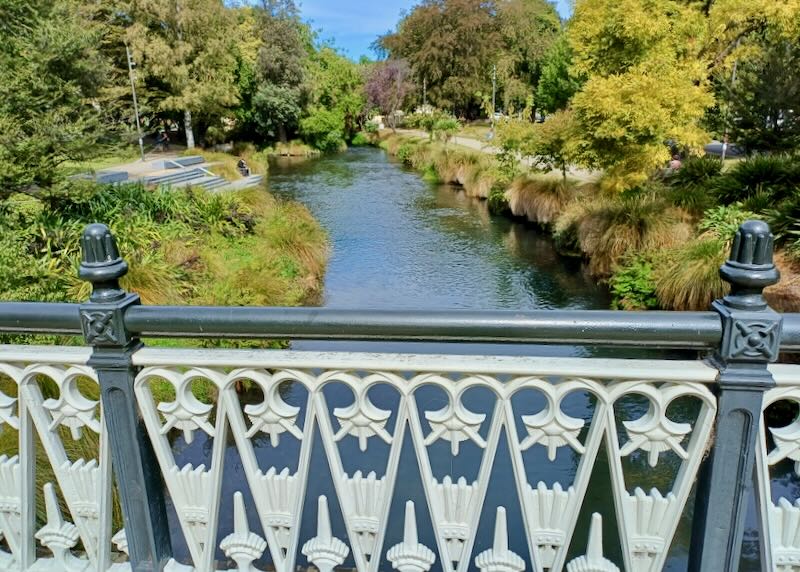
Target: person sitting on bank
(243, 168)
(676, 163)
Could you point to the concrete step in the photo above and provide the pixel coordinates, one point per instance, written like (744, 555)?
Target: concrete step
(180, 162)
(207, 182)
(107, 177)
(245, 183)
(175, 177)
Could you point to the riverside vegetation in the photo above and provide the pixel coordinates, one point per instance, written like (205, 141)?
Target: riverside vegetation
(658, 245)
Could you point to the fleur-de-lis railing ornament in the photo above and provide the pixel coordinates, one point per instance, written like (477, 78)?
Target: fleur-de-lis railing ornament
(325, 551)
(410, 555)
(499, 558)
(242, 546)
(60, 536)
(593, 560)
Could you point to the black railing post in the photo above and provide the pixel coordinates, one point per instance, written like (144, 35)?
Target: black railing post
(751, 334)
(135, 467)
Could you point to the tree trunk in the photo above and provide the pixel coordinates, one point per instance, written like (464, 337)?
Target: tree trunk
(282, 133)
(187, 124)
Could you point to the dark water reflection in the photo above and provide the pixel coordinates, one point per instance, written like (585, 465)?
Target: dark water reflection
(399, 242)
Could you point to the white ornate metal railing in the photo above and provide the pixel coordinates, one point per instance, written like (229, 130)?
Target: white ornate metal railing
(645, 430)
(273, 460)
(778, 466)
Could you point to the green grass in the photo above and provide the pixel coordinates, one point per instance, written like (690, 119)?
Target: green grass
(109, 158)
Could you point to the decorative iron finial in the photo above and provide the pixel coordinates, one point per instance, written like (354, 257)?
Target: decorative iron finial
(750, 269)
(101, 263)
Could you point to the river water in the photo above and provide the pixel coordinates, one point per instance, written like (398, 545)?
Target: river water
(401, 242)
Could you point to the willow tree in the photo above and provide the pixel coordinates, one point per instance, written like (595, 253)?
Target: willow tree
(185, 49)
(647, 83)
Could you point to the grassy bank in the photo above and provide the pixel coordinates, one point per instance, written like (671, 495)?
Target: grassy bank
(183, 246)
(657, 246)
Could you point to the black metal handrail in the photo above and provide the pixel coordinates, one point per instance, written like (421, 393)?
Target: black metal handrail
(681, 330)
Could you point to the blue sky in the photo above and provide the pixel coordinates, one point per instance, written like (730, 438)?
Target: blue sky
(354, 24)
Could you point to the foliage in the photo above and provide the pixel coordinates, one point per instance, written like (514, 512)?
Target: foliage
(445, 127)
(722, 222)
(450, 46)
(691, 185)
(687, 277)
(540, 199)
(436, 123)
(549, 145)
(361, 139)
(336, 100)
(276, 110)
(166, 237)
(51, 74)
(633, 286)
(557, 85)
(634, 222)
(776, 176)
(645, 84)
(387, 86)
(497, 201)
(528, 29)
(764, 100)
(324, 129)
(188, 52)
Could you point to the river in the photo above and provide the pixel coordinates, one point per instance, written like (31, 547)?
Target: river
(401, 242)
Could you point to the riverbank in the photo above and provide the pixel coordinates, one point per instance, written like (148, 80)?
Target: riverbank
(183, 245)
(658, 247)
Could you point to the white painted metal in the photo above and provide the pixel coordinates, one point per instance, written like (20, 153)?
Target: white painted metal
(780, 516)
(647, 520)
(410, 555)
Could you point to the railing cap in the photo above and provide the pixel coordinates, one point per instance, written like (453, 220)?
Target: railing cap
(750, 267)
(101, 264)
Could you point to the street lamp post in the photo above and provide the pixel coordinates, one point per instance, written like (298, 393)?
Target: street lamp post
(131, 65)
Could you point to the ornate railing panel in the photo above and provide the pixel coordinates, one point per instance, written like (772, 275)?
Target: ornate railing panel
(778, 475)
(83, 483)
(647, 519)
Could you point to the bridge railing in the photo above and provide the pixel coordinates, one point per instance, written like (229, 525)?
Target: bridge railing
(210, 452)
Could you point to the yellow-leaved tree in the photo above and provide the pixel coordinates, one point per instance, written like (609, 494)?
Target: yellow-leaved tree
(646, 83)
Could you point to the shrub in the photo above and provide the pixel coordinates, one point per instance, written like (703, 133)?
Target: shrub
(631, 222)
(723, 221)
(497, 202)
(687, 277)
(324, 129)
(690, 187)
(360, 140)
(776, 176)
(633, 285)
(539, 199)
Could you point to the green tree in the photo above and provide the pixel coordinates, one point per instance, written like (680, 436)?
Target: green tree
(763, 101)
(51, 76)
(646, 83)
(528, 29)
(451, 46)
(336, 97)
(556, 85)
(282, 60)
(187, 53)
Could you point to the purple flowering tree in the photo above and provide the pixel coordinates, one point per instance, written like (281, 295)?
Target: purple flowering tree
(387, 86)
